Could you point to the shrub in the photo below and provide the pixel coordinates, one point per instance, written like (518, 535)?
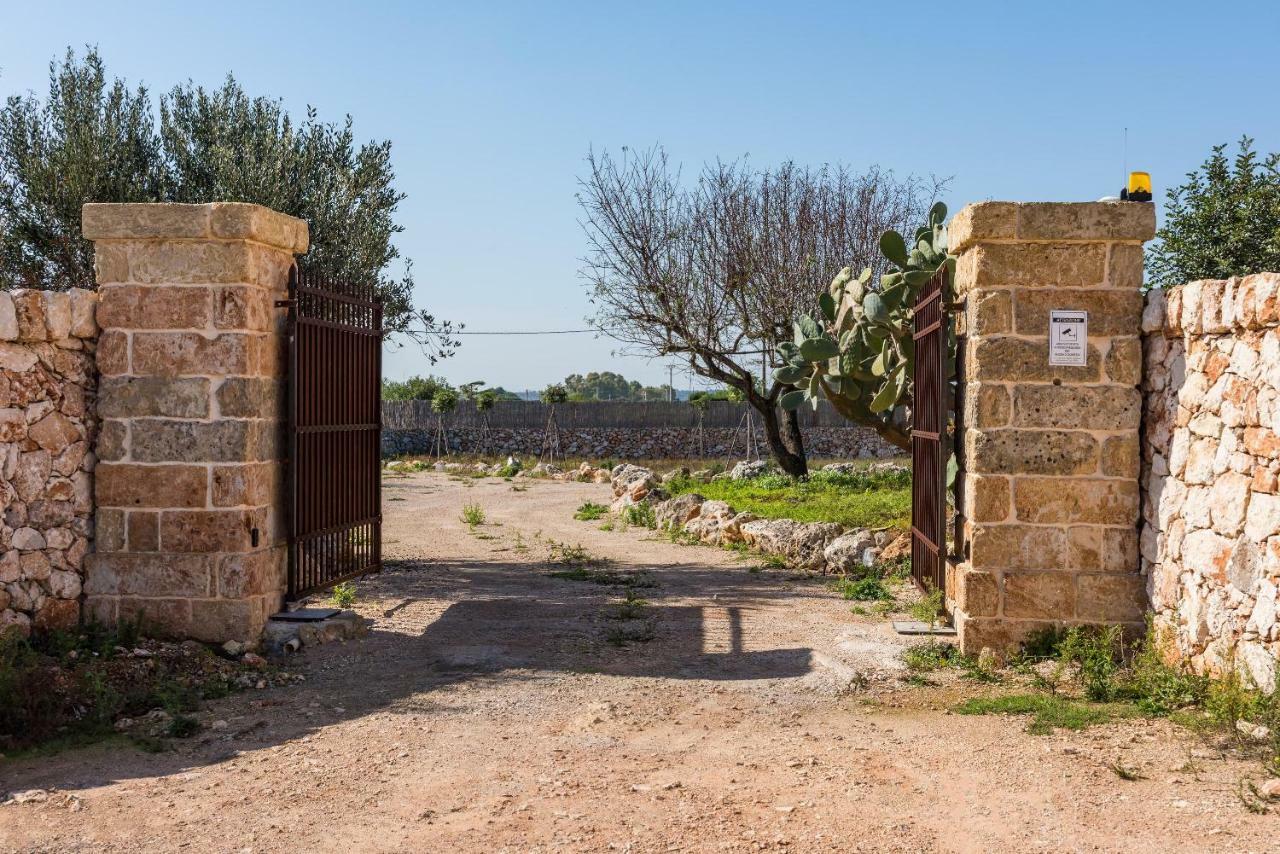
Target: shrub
(641, 515)
(868, 588)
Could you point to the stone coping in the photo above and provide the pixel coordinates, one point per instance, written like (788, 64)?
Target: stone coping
(1214, 306)
(1068, 222)
(216, 220)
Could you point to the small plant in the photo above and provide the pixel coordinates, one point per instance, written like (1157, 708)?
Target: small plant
(473, 515)
(1097, 652)
(343, 595)
(868, 588)
(631, 609)
(1048, 713)
(929, 656)
(519, 544)
(590, 511)
(606, 525)
(575, 555)
(1124, 773)
(641, 515)
(930, 607)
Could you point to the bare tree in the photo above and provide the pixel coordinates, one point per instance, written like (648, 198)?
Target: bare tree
(716, 272)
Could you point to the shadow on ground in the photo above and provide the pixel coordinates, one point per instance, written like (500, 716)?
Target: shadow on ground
(443, 624)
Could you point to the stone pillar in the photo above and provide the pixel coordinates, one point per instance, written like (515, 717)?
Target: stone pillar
(190, 524)
(1051, 454)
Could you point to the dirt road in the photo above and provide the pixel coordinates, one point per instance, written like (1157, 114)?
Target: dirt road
(494, 708)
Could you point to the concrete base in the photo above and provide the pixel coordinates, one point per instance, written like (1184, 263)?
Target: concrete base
(289, 635)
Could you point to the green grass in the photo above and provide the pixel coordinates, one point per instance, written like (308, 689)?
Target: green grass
(859, 500)
(590, 511)
(869, 588)
(1048, 712)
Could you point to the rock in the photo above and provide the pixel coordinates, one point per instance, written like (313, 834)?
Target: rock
(749, 469)
(1270, 789)
(252, 659)
(28, 539)
(675, 512)
(631, 484)
(846, 552)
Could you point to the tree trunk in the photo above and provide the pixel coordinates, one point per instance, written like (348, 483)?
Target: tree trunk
(790, 462)
(792, 438)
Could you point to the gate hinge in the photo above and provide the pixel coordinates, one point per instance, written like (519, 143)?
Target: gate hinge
(286, 303)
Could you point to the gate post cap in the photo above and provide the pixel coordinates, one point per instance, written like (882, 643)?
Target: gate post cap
(211, 221)
(1068, 222)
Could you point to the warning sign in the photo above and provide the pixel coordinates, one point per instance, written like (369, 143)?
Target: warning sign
(1068, 337)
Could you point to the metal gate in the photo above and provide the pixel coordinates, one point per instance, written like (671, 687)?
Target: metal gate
(335, 428)
(929, 435)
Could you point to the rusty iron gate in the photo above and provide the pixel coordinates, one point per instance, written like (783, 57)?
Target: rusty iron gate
(929, 438)
(335, 428)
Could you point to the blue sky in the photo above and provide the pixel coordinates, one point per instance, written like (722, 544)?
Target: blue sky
(491, 107)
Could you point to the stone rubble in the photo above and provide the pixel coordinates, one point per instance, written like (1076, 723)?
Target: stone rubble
(48, 386)
(822, 547)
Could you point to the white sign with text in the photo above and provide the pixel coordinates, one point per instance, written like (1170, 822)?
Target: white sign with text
(1068, 338)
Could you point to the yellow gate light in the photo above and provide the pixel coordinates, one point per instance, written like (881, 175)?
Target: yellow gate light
(1139, 189)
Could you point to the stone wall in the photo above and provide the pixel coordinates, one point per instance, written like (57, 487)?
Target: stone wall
(1050, 456)
(47, 388)
(642, 443)
(1211, 461)
(190, 527)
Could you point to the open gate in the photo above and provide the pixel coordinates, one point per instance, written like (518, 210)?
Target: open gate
(929, 440)
(335, 429)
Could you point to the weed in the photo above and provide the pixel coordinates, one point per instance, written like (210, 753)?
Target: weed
(575, 555)
(605, 577)
(1124, 773)
(929, 656)
(631, 609)
(396, 498)
(606, 525)
(519, 544)
(1048, 713)
(622, 635)
(343, 595)
(681, 537)
(641, 515)
(473, 514)
(519, 488)
(773, 561)
(1254, 801)
(1097, 652)
(590, 511)
(866, 589)
(929, 608)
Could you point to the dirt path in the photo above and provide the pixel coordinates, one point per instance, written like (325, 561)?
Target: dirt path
(489, 711)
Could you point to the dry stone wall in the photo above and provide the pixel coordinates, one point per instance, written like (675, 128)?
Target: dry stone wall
(48, 384)
(639, 443)
(1210, 539)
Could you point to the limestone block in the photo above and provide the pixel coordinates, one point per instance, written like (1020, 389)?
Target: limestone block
(154, 307)
(1060, 452)
(57, 314)
(1089, 500)
(172, 354)
(1039, 595)
(1077, 407)
(129, 485)
(1113, 598)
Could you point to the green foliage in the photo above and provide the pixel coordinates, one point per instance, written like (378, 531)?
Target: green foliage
(929, 607)
(182, 726)
(96, 140)
(867, 588)
(1048, 712)
(414, 388)
(473, 514)
(858, 500)
(607, 385)
(858, 352)
(641, 515)
(930, 656)
(553, 394)
(444, 401)
(589, 511)
(485, 400)
(1224, 221)
(343, 595)
(1098, 653)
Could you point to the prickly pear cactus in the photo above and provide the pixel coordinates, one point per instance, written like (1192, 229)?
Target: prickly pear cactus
(858, 351)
